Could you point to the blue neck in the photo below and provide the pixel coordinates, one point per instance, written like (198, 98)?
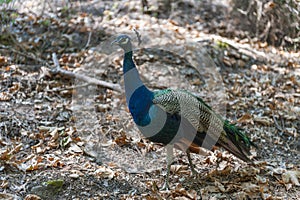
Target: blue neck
(138, 96)
(128, 63)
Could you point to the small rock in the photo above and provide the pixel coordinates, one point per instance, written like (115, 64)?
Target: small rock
(75, 176)
(102, 107)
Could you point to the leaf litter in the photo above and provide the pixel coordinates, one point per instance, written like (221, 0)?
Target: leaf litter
(52, 131)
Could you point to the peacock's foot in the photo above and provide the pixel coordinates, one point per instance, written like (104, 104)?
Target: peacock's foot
(194, 173)
(165, 186)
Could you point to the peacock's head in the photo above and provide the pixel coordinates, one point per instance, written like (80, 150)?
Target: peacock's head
(124, 41)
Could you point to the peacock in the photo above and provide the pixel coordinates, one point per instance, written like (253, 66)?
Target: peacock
(177, 118)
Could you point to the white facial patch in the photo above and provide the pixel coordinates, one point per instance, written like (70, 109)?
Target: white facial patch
(125, 42)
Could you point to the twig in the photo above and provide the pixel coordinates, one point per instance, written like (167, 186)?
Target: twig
(58, 70)
(276, 123)
(89, 80)
(138, 36)
(89, 39)
(69, 88)
(248, 50)
(55, 61)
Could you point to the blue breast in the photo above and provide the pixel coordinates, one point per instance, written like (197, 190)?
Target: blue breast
(154, 123)
(139, 105)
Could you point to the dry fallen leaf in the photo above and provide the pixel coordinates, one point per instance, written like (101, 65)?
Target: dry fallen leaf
(54, 135)
(220, 186)
(250, 188)
(75, 148)
(8, 196)
(105, 172)
(4, 96)
(3, 60)
(265, 121)
(246, 118)
(32, 197)
(291, 176)
(178, 168)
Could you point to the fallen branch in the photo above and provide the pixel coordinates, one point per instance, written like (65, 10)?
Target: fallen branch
(59, 70)
(276, 123)
(89, 80)
(250, 51)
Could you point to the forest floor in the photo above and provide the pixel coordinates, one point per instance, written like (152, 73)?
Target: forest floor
(65, 137)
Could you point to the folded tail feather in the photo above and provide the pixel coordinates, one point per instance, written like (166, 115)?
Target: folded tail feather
(236, 142)
(232, 139)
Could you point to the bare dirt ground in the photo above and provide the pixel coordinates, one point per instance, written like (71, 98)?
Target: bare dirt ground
(67, 138)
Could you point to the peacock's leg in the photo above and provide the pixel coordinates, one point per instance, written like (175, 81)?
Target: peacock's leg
(169, 162)
(194, 172)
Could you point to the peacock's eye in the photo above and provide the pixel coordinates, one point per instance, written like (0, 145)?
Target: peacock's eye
(124, 40)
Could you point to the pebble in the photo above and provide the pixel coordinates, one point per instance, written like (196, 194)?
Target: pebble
(75, 176)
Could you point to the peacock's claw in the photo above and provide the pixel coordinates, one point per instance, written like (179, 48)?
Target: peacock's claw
(194, 172)
(165, 186)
